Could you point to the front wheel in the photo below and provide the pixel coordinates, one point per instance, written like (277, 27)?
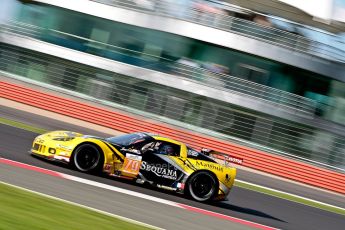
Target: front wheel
(87, 158)
(202, 186)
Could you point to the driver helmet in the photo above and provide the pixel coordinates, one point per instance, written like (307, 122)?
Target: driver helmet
(167, 150)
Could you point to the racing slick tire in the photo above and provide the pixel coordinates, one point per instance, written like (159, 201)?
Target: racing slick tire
(202, 186)
(88, 158)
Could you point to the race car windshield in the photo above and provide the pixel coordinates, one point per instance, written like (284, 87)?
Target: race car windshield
(128, 139)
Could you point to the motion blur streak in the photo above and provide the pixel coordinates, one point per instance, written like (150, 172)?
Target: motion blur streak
(136, 194)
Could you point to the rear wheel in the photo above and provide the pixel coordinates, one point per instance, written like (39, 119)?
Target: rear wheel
(202, 186)
(87, 158)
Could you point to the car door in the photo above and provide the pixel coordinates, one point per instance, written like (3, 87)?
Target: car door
(158, 167)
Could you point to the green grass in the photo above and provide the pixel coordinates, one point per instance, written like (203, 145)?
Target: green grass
(20, 209)
(22, 125)
(290, 197)
(237, 183)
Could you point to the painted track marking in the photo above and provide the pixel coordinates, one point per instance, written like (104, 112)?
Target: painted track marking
(86, 207)
(135, 194)
(289, 194)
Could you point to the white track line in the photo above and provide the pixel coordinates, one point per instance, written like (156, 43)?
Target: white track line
(289, 194)
(120, 190)
(152, 198)
(86, 207)
(132, 193)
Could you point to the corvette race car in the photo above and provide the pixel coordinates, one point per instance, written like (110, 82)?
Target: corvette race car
(145, 158)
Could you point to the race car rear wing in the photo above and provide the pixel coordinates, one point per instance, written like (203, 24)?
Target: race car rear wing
(224, 158)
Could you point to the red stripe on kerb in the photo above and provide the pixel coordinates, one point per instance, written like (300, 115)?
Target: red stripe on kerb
(183, 206)
(225, 217)
(30, 167)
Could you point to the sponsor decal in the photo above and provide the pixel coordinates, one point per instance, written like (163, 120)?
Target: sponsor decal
(161, 170)
(38, 140)
(64, 147)
(209, 165)
(235, 160)
(133, 157)
(132, 164)
(180, 186)
(107, 167)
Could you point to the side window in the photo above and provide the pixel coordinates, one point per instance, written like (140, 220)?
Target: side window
(161, 147)
(166, 148)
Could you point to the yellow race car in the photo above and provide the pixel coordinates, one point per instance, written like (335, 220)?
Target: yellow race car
(145, 158)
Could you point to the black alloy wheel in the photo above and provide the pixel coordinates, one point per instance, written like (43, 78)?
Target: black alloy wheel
(202, 186)
(87, 158)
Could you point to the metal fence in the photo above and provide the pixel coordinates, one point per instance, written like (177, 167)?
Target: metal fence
(301, 105)
(247, 28)
(178, 107)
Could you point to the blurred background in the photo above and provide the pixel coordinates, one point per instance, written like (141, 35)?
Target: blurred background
(268, 74)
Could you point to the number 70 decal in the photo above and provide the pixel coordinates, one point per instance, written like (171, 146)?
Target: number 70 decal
(132, 164)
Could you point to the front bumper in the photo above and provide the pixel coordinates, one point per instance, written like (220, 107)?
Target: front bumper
(51, 157)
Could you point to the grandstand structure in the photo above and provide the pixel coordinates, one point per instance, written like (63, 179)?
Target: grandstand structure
(230, 71)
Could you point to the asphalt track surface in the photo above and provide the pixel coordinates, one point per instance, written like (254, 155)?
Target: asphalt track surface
(242, 203)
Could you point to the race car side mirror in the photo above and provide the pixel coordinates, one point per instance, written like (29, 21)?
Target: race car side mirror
(206, 151)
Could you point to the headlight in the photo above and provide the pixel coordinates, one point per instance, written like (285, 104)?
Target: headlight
(52, 151)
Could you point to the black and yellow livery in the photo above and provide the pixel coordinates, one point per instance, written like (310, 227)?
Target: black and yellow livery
(143, 157)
